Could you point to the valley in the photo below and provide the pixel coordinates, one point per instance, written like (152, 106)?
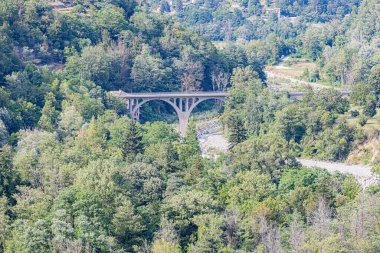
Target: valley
(277, 105)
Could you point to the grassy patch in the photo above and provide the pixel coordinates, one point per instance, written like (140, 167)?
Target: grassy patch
(372, 125)
(292, 69)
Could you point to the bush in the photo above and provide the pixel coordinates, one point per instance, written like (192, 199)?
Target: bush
(370, 109)
(354, 113)
(363, 120)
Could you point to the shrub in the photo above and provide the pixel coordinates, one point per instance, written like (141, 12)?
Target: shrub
(354, 113)
(370, 109)
(363, 120)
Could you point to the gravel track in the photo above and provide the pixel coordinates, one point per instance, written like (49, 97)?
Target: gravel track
(212, 140)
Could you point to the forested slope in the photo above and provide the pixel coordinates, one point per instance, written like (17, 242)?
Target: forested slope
(251, 19)
(77, 175)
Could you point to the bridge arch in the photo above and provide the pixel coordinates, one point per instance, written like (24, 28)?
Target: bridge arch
(136, 108)
(205, 99)
(183, 106)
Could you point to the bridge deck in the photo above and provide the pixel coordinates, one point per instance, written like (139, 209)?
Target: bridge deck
(188, 94)
(179, 94)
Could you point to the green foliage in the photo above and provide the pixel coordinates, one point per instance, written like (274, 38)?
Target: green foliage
(189, 149)
(236, 131)
(70, 121)
(148, 71)
(333, 143)
(354, 113)
(48, 120)
(159, 132)
(291, 125)
(269, 154)
(247, 189)
(30, 238)
(8, 176)
(9, 59)
(210, 233)
(126, 137)
(161, 246)
(81, 177)
(244, 99)
(362, 120)
(182, 209)
(111, 19)
(370, 107)
(374, 80)
(360, 93)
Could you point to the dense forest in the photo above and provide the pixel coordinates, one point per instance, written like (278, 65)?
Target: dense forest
(78, 175)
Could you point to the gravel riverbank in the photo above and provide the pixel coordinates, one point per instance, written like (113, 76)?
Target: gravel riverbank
(213, 142)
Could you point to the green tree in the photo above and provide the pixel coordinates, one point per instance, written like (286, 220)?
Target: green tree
(369, 109)
(182, 208)
(143, 182)
(236, 130)
(126, 224)
(270, 154)
(29, 113)
(8, 176)
(132, 144)
(111, 19)
(4, 135)
(70, 121)
(191, 139)
(374, 80)
(29, 238)
(210, 236)
(49, 117)
(62, 232)
(30, 160)
(189, 149)
(290, 123)
(246, 189)
(166, 240)
(9, 59)
(149, 72)
(4, 222)
(359, 94)
(158, 132)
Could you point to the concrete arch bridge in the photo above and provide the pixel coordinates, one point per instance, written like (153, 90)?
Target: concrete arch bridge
(182, 102)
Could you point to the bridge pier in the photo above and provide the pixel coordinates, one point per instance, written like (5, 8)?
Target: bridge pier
(183, 121)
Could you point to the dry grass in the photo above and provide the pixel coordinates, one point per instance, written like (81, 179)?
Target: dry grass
(60, 7)
(372, 125)
(367, 152)
(64, 10)
(294, 71)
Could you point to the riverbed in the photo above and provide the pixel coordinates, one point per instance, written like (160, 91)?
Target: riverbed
(213, 143)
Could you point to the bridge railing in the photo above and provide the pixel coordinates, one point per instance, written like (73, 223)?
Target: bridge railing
(168, 94)
(127, 95)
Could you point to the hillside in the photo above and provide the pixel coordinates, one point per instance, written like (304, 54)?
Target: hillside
(78, 174)
(251, 19)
